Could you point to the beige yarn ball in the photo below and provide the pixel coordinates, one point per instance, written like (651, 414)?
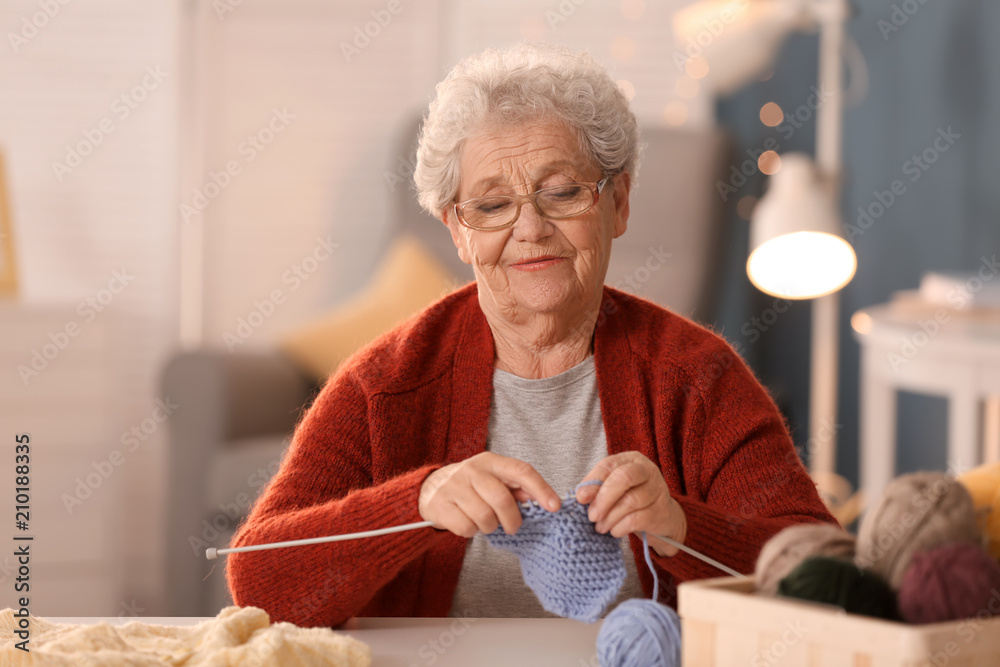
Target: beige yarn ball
(917, 512)
(786, 550)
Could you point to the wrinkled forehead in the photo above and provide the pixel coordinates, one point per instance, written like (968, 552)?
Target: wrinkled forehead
(523, 157)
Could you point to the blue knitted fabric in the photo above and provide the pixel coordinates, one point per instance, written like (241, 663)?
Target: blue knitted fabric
(575, 571)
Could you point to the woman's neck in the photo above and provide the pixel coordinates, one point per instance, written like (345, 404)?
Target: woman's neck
(542, 345)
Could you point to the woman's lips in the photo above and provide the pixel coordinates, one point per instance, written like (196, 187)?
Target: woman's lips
(538, 263)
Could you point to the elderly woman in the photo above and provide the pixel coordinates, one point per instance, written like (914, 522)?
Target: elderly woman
(521, 385)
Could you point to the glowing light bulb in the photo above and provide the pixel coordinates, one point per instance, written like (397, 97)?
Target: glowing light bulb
(802, 265)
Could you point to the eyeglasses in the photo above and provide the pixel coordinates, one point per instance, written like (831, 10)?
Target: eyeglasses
(498, 212)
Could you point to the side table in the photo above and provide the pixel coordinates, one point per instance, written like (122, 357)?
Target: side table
(927, 348)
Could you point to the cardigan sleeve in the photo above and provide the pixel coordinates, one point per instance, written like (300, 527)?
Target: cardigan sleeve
(324, 487)
(743, 478)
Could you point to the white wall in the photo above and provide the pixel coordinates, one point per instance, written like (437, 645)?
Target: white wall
(62, 82)
(322, 175)
(325, 174)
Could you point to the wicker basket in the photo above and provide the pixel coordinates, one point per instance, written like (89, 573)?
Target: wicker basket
(726, 625)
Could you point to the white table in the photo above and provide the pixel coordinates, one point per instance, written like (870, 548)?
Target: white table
(929, 349)
(450, 642)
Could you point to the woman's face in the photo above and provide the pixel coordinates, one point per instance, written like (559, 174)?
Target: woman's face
(537, 265)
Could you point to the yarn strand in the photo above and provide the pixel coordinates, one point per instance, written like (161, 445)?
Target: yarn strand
(649, 564)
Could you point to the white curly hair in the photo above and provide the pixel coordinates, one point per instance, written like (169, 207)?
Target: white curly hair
(518, 85)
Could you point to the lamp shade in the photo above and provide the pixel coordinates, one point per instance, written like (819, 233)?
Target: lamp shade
(797, 250)
(738, 39)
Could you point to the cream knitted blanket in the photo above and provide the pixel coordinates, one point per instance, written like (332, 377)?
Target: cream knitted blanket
(238, 636)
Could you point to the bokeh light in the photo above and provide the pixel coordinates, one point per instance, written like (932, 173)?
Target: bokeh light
(675, 113)
(745, 206)
(697, 67)
(769, 162)
(622, 48)
(771, 114)
(627, 88)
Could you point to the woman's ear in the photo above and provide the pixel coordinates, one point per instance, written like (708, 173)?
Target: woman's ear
(623, 186)
(448, 218)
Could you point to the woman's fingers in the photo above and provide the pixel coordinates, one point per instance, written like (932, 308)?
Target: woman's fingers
(633, 501)
(516, 474)
(501, 502)
(478, 511)
(621, 478)
(662, 547)
(633, 497)
(641, 521)
(481, 493)
(586, 494)
(600, 473)
(451, 518)
(521, 496)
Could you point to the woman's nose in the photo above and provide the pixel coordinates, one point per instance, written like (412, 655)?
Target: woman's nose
(530, 224)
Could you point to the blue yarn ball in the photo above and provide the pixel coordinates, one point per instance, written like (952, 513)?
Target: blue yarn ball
(640, 633)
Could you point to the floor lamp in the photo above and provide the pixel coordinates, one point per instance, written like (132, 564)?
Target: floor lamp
(797, 249)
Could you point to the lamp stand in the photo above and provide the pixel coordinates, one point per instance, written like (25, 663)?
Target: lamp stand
(823, 390)
(823, 375)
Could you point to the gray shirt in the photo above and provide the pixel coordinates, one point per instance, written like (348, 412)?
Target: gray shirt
(555, 425)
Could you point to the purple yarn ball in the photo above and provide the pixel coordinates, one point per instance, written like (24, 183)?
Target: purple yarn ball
(948, 583)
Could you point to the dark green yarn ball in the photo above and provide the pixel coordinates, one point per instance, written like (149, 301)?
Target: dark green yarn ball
(841, 583)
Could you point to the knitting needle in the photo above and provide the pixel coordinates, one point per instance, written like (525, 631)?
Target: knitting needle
(700, 556)
(211, 552)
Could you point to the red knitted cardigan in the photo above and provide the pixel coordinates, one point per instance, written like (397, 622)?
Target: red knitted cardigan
(418, 398)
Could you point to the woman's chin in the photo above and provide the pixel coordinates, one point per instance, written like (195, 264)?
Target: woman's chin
(543, 296)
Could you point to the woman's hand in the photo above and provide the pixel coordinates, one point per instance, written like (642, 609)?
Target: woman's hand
(482, 492)
(633, 498)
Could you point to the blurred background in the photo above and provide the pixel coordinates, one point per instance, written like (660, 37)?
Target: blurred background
(206, 204)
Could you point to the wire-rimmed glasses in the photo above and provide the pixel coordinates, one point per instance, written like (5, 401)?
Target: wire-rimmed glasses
(496, 212)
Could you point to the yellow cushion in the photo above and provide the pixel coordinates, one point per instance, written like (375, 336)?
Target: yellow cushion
(983, 484)
(408, 280)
